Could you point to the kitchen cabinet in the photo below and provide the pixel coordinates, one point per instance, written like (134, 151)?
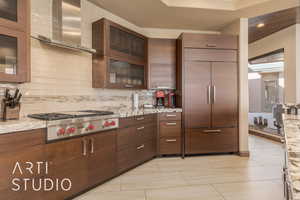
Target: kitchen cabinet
(15, 41)
(208, 92)
(21, 147)
(136, 141)
(86, 161)
(170, 137)
(120, 61)
(162, 63)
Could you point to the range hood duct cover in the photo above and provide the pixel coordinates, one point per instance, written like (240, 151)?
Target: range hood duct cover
(66, 21)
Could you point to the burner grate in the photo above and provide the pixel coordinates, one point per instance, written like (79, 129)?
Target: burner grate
(51, 116)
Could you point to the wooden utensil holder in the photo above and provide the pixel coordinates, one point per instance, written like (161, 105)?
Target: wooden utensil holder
(8, 113)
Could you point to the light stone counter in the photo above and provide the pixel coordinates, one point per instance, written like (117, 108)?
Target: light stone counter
(21, 125)
(26, 123)
(130, 113)
(292, 145)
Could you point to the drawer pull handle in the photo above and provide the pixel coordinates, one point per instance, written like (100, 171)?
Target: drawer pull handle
(171, 124)
(141, 128)
(212, 131)
(92, 145)
(171, 115)
(140, 147)
(172, 140)
(84, 149)
(140, 118)
(211, 45)
(128, 86)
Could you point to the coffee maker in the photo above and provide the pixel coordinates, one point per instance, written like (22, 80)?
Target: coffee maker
(160, 99)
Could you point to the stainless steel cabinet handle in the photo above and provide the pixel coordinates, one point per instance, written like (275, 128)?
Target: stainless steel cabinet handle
(212, 131)
(92, 145)
(84, 149)
(208, 95)
(171, 140)
(140, 118)
(171, 123)
(140, 147)
(214, 94)
(140, 128)
(211, 45)
(128, 86)
(168, 115)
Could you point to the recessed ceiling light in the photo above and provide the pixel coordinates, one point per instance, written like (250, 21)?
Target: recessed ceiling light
(260, 25)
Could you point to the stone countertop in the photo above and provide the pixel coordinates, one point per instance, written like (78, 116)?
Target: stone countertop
(130, 113)
(292, 145)
(26, 123)
(22, 124)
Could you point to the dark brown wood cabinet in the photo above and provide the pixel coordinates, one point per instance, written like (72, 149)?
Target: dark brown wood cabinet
(15, 41)
(208, 92)
(21, 147)
(121, 58)
(136, 141)
(170, 137)
(161, 63)
(86, 161)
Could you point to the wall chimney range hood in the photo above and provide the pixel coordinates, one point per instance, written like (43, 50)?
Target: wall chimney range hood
(66, 26)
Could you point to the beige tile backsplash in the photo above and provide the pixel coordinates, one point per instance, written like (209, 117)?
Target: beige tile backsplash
(61, 79)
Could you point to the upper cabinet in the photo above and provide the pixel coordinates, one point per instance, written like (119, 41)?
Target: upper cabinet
(121, 58)
(162, 63)
(14, 41)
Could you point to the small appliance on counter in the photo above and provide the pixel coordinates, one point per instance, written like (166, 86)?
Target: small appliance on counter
(160, 99)
(165, 99)
(10, 105)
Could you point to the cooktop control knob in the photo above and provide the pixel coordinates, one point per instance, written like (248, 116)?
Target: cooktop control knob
(106, 124)
(112, 123)
(91, 127)
(71, 130)
(61, 132)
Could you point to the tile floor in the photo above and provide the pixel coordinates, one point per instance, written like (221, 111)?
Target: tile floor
(225, 177)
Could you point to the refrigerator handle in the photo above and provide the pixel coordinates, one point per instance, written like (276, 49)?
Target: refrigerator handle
(214, 94)
(209, 94)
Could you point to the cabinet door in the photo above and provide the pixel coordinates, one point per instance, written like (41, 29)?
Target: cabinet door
(224, 94)
(15, 13)
(68, 159)
(102, 157)
(162, 63)
(126, 75)
(197, 98)
(8, 161)
(14, 59)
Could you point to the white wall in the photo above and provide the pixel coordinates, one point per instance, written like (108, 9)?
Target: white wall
(283, 39)
(240, 28)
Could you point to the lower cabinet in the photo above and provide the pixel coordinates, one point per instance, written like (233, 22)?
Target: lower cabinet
(222, 140)
(170, 142)
(85, 161)
(17, 152)
(136, 141)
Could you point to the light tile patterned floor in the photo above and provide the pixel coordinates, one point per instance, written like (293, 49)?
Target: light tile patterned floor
(226, 177)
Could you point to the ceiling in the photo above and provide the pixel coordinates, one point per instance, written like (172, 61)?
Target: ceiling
(273, 22)
(156, 14)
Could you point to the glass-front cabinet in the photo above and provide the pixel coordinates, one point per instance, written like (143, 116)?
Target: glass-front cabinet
(14, 41)
(121, 57)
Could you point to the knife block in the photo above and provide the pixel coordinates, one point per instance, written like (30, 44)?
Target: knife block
(8, 113)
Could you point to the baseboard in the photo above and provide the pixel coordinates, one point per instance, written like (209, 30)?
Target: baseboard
(269, 136)
(244, 153)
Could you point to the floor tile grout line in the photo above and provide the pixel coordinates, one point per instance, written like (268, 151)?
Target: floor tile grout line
(217, 191)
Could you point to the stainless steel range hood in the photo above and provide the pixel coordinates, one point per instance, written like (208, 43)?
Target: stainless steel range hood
(66, 26)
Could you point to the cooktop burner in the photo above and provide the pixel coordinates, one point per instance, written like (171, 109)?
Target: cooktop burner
(51, 116)
(69, 115)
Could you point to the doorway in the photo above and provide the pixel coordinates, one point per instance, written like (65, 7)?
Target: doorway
(266, 90)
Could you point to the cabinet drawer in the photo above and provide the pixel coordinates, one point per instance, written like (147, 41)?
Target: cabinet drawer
(135, 135)
(126, 159)
(170, 145)
(131, 121)
(210, 41)
(170, 129)
(212, 141)
(170, 116)
(146, 151)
